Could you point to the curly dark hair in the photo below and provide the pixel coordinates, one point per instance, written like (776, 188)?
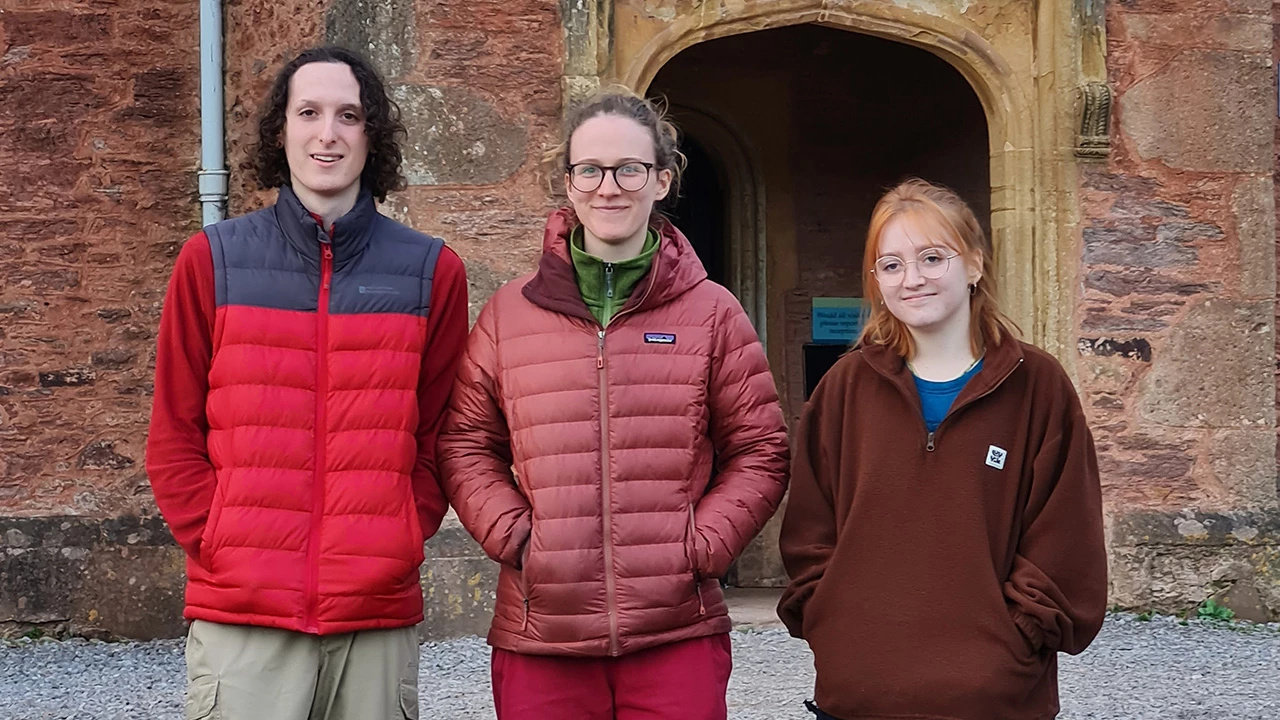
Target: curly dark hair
(382, 125)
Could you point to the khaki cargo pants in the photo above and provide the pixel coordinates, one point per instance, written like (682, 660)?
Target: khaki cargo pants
(239, 672)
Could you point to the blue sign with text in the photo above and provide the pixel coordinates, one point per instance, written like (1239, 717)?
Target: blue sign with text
(837, 320)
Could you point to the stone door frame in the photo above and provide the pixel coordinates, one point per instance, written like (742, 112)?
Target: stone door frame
(1038, 70)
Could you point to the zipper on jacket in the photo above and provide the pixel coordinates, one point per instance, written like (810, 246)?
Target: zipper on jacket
(610, 581)
(606, 497)
(310, 622)
(524, 624)
(931, 444)
(608, 280)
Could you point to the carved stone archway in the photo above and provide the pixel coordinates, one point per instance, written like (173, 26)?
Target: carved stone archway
(1034, 67)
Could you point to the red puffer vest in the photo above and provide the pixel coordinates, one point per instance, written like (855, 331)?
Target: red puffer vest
(646, 455)
(312, 409)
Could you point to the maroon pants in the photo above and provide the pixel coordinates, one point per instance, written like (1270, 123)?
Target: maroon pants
(684, 680)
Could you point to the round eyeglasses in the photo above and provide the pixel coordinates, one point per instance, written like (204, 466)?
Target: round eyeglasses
(631, 177)
(931, 263)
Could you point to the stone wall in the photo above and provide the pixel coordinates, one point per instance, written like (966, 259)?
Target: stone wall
(99, 141)
(1176, 311)
(99, 144)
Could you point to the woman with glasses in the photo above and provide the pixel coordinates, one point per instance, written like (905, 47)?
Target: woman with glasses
(944, 530)
(614, 440)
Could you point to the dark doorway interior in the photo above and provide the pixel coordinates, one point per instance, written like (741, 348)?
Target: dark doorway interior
(831, 119)
(700, 211)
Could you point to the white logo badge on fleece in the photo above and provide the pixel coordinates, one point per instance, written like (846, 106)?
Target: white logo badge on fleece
(996, 457)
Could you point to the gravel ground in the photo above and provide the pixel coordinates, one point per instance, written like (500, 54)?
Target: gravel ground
(1157, 670)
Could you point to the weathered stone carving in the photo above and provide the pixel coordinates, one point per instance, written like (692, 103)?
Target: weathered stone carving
(1094, 140)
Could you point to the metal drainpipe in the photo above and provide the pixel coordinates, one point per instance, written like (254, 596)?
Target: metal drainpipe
(213, 172)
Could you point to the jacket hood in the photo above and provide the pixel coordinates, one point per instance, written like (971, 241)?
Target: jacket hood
(676, 269)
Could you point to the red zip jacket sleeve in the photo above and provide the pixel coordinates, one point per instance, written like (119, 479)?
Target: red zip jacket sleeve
(475, 452)
(182, 478)
(750, 439)
(446, 340)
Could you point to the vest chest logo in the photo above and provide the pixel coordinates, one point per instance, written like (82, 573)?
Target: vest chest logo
(660, 338)
(996, 457)
(378, 290)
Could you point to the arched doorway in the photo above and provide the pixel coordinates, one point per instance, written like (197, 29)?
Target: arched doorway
(1037, 72)
(831, 119)
(700, 210)
(825, 120)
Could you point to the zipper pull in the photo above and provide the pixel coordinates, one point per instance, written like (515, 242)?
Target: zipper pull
(608, 280)
(524, 625)
(600, 350)
(929, 446)
(702, 609)
(328, 257)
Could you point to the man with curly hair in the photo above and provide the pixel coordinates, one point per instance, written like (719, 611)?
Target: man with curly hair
(305, 356)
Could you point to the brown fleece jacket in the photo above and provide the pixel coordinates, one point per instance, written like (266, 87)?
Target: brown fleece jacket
(937, 575)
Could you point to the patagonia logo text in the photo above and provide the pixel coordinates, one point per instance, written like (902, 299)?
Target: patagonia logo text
(660, 338)
(378, 290)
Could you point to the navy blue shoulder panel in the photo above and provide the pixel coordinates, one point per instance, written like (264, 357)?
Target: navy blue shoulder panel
(253, 265)
(392, 275)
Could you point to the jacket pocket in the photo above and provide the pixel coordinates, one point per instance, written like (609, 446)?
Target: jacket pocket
(691, 556)
(525, 553)
(809, 613)
(415, 530)
(209, 537)
(202, 699)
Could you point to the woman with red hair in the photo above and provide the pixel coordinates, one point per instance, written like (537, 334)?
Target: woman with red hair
(944, 532)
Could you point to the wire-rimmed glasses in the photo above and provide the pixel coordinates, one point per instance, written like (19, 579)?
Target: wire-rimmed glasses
(931, 263)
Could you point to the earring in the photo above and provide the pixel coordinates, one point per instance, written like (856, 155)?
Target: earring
(973, 288)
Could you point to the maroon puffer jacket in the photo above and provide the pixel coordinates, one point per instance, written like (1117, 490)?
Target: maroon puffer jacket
(645, 456)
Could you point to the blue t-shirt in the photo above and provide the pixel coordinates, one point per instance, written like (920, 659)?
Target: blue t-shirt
(936, 397)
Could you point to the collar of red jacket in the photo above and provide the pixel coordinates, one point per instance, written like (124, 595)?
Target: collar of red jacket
(676, 269)
(999, 362)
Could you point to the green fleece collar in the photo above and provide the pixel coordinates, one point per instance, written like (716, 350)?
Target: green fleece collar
(606, 287)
